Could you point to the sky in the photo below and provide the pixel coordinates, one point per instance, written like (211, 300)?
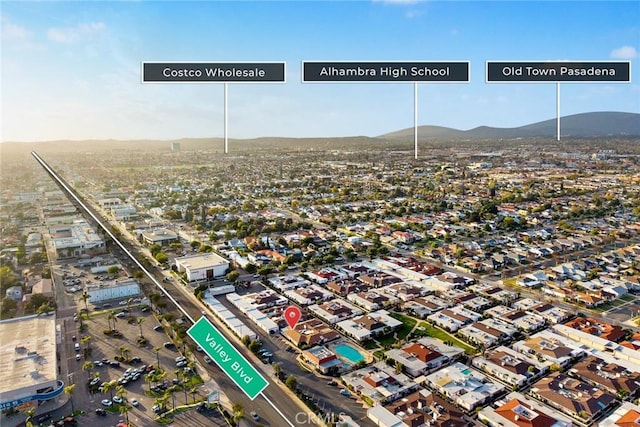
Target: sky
(72, 70)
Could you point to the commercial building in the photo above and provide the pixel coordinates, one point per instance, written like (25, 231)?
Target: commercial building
(76, 239)
(28, 361)
(105, 292)
(206, 266)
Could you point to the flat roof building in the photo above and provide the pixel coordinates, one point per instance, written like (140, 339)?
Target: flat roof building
(205, 266)
(28, 360)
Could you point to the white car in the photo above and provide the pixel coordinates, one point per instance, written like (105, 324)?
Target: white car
(134, 402)
(106, 402)
(117, 399)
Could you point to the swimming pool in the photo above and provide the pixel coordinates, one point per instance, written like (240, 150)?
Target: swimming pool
(349, 353)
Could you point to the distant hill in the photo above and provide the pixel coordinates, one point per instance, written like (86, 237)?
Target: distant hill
(584, 125)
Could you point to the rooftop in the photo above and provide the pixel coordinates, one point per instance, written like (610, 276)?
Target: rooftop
(27, 352)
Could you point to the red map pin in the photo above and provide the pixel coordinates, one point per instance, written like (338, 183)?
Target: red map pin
(292, 314)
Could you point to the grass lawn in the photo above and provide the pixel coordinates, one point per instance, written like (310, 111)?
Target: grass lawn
(628, 298)
(426, 329)
(407, 325)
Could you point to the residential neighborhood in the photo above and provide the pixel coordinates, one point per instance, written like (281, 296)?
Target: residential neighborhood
(489, 287)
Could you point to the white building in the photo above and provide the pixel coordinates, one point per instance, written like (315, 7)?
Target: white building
(28, 361)
(105, 292)
(205, 266)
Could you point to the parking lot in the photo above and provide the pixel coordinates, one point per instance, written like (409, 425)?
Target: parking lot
(130, 376)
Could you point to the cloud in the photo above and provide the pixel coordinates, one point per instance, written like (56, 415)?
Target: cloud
(624, 52)
(11, 31)
(413, 13)
(72, 34)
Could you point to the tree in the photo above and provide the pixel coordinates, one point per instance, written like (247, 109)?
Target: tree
(7, 279)
(85, 298)
(69, 390)
(171, 390)
(155, 249)
(238, 411)
(140, 321)
(109, 387)
(157, 350)
(8, 307)
(29, 413)
(194, 393)
(277, 369)
(291, 382)
(113, 270)
(255, 345)
(162, 258)
(233, 275)
(124, 351)
(39, 301)
(88, 366)
(124, 410)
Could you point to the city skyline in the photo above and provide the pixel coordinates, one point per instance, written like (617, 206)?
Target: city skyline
(74, 68)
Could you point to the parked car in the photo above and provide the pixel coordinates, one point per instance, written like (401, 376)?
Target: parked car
(169, 344)
(134, 402)
(158, 328)
(117, 399)
(101, 412)
(255, 416)
(106, 402)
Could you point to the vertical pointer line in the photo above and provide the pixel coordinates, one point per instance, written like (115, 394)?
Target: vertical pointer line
(557, 111)
(415, 119)
(226, 118)
(276, 408)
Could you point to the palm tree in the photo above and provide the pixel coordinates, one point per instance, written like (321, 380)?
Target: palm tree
(171, 390)
(124, 410)
(124, 351)
(140, 321)
(238, 411)
(194, 393)
(180, 375)
(121, 391)
(109, 387)
(86, 340)
(157, 350)
(88, 366)
(85, 298)
(111, 316)
(162, 401)
(69, 390)
(29, 413)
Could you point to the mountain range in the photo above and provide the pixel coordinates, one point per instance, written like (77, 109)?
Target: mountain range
(583, 125)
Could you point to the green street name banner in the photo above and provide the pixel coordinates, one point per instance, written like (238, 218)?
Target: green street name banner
(227, 358)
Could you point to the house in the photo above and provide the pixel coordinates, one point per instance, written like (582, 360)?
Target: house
(335, 310)
(308, 295)
(607, 375)
(510, 367)
(379, 383)
(518, 410)
(546, 345)
(310, 333)
(573, 397)
(322, 359)
(369, 326)
(422, 408)
(370, 300)
(466, 387)
(417, 359)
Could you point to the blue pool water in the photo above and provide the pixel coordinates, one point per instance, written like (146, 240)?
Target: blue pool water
(349, 353)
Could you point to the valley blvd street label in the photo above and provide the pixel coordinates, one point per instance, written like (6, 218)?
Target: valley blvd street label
(227, 358)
